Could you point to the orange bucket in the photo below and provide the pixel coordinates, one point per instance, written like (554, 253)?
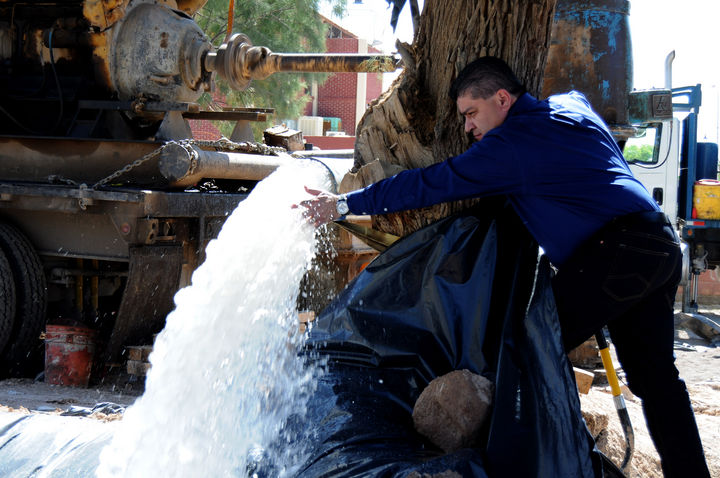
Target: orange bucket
(68, 355)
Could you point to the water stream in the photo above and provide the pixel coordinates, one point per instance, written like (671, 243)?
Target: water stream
(225, 374)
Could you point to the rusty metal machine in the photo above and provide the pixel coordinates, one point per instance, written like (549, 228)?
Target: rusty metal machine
(101, 220)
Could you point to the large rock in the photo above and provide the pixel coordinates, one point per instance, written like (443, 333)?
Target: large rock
(598, 410)
(452, 409)
(586, 355)
(706, 326)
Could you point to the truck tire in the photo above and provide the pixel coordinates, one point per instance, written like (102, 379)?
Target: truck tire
(7, 301)
(23, 352)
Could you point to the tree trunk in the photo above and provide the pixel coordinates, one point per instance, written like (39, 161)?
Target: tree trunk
(415, 123)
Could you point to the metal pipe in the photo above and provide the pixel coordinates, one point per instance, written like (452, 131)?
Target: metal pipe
(337, 165)
(668, 69)
(181, 168)
(239, 62)
(348, 62)
(89, 161)
(79, 287)
(95, 287)
(61, 273)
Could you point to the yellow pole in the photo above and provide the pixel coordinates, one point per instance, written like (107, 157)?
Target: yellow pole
(618, 398)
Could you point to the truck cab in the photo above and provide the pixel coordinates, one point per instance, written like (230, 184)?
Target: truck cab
(652, 155)
(680, 173)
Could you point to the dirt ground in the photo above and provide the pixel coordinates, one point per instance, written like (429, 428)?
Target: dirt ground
(698, 359)
(119, 388)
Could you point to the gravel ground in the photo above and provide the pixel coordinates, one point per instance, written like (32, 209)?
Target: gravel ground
(698, 360)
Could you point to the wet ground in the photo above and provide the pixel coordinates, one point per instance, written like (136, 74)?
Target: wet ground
(117, 388)
(698, 360)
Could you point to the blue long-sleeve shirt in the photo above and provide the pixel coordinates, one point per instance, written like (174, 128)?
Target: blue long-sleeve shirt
(556, 161)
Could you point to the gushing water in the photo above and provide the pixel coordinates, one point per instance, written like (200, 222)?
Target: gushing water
(225, 373)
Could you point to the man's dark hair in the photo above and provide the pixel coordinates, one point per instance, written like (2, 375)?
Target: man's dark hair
(484, 77)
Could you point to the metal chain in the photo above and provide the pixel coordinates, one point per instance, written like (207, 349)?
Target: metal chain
(222, 144)
(187, 144)
(143, 160)
(246, 147)
(56, 178)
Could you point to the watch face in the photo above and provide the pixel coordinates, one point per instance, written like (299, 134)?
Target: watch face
(342, 207)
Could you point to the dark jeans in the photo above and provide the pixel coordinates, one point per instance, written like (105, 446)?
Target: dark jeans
(626, 277)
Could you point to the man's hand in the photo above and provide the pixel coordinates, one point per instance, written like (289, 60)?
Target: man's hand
(321, 208)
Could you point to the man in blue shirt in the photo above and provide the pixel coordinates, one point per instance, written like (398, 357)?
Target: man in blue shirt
(617, 257)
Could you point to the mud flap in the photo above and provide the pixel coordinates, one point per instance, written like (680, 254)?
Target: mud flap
(153, 278)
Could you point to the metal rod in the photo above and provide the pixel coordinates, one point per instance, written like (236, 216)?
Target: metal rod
(79, 287)
(95, 287)
(182, 170)
(348, 62)
(239, 62)
(668, 69)
(378, 240)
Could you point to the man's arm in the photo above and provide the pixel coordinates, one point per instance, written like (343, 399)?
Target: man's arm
(487, 168)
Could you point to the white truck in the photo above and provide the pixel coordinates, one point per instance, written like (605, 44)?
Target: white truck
(681, 173)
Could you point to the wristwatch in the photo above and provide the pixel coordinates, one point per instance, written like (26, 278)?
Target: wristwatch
(342, 205)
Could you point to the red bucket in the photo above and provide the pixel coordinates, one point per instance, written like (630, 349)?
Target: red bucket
(68, 355)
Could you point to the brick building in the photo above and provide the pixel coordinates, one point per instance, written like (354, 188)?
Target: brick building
(205, 130)
(343, 95)
(341, 100)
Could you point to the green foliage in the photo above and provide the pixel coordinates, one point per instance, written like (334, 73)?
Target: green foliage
(281, 25)
(643, 153)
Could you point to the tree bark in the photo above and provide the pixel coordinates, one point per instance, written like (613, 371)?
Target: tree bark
(415, 124)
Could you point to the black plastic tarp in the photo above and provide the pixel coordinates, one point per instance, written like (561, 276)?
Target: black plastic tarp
(467, 292)
(43, 445)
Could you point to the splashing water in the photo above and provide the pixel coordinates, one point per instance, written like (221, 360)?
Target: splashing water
(225, 373)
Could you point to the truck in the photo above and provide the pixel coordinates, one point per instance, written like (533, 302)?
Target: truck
(681, 173)
(591, 51)
(106, 200)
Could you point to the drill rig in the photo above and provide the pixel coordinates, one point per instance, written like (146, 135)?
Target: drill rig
(100, 216)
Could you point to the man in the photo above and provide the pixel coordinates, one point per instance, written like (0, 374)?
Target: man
(617, 257)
